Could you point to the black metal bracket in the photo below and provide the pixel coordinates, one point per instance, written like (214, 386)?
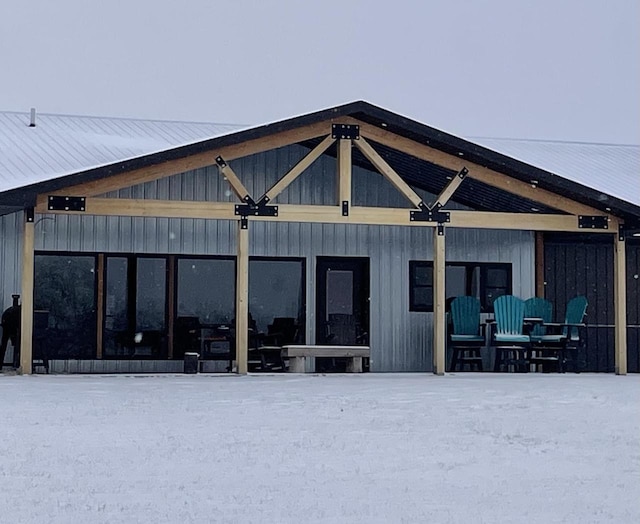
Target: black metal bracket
(29, 214)
(429, 215)
(621, 232)
(345, 131)
(260, 209)
(345, 208)
(593, 222)
(440, 228)
(66, 203)
(244, 223)
(220, 161)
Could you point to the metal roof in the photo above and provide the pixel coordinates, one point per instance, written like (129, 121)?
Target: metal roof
(62, 144)
(611, 168)
(64, 150)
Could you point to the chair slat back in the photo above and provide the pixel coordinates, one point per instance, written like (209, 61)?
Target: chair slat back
(538, 308)
(576, 311)
(465, 313)
(509, 313)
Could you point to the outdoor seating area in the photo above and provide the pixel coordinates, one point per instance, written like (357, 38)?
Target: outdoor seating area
(520, 334)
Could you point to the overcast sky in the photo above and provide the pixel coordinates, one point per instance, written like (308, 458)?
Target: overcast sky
(554, 69)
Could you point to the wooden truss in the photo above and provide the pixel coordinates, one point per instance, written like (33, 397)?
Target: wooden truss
(249, 208)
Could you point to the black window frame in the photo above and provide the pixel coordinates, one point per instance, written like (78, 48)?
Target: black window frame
(484, 268)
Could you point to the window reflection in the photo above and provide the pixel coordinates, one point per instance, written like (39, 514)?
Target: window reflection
(64, 303)
(276, 290)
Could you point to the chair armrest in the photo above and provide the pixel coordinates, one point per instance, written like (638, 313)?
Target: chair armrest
(563, 324)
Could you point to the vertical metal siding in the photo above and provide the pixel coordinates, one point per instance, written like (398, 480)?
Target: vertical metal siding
(11, 233)
(400, 340)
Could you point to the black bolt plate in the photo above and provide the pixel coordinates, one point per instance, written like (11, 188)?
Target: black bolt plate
(430, 216)
(345, 208)
(30, 214)
(593, 222)
(346, 131)
(247, 210)
(66, 203)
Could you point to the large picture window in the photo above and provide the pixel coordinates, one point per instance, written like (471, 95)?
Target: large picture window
(65, 321)
(487, 281)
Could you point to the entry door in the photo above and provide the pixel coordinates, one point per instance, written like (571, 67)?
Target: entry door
(342, 301)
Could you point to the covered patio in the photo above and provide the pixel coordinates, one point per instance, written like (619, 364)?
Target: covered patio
(442, 186)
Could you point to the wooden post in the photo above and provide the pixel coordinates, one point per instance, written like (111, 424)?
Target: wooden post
(620, 307)
(439, 313)
(344, 173)
(26, 320)
(100, 307)
(242, 299)
(540, 291)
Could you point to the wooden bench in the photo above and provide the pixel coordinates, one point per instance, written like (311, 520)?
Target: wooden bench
(298, 356)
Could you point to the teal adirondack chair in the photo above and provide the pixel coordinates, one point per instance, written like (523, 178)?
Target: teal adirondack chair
(466, 340)
(538, 308)
(567, 340)
(510, 341)
(541, 352)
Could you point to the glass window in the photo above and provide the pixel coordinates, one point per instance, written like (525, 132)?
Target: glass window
(65, 306)
(276, 291)
(487, 281)
(206, 289)
(151, 291)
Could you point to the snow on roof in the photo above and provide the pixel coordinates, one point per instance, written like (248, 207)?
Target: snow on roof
(62, 144)
(613, 169)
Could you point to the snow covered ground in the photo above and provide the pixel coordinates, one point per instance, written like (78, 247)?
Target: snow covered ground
(368, 448)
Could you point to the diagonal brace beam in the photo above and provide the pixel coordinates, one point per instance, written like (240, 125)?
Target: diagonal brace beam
(234, 181)
(449, 189)
(387, 171)
(297, 170)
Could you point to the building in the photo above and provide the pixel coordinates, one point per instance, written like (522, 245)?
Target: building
(120, 235)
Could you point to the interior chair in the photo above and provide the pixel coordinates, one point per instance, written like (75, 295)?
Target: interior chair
(510, 341)
(566, 342)
(466, 339)
(540, 355)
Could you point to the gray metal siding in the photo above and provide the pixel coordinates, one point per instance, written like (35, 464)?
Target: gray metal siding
(400, 340)
(11, 233)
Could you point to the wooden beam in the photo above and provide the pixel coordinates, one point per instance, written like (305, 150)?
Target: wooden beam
(476, 171)
(100, 307)
(449, 190)
(26, 316)
(234, 181)
(171, 302)
(439, 311)
(385, 169)
(196, 161)
(620, 307)
(328, 214)
(242, 301)
(521, 221)
(344, 173)
(298, 169)
(539, 262)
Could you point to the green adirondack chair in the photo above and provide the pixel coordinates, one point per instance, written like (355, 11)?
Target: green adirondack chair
(540, 353)
(566, 342)
(466, 340)
(537, 307)
(510, 341)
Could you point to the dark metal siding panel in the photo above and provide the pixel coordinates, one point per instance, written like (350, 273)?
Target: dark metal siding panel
(584, 267)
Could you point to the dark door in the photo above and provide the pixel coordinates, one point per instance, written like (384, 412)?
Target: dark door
(342, 301)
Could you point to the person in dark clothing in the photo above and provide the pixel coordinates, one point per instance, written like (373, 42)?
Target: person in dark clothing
(11, 332)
